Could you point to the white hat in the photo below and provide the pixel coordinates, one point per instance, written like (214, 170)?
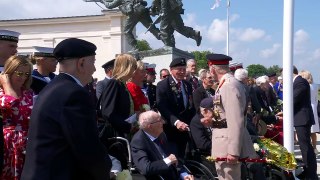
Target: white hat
(7, 35)
(43, 51)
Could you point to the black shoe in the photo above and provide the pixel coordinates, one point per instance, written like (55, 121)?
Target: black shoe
(198, 38)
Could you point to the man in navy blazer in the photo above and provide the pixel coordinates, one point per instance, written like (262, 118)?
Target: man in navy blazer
(151, 153)
(108, 68)
(174, 101)
(63, 140)
(303, 120)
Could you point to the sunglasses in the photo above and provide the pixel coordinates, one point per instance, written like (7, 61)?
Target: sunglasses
(20, 73)
(164, 76)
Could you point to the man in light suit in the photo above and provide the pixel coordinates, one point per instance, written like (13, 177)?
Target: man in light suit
(303, 120)
(108, 68)
(151, 152)
(63, 140)
(230, 138)
(174, 100)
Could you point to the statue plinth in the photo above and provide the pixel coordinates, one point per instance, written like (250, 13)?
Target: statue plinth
(162, 57)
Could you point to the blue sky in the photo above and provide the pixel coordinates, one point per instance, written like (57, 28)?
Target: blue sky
(255, 27)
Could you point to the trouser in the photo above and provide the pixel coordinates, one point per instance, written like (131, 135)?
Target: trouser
(308, 155)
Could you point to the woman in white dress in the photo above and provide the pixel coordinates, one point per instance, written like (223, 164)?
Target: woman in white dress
(314, 103)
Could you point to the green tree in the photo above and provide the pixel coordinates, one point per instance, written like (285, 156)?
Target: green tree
(143, 45)
(255, 70)
(274, 69)
(200, 57)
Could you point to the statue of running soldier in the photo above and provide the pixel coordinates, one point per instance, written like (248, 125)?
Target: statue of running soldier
(136, 11)
(169, 15)
(170, 12)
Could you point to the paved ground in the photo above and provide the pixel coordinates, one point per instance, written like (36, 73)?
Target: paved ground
(297, 153)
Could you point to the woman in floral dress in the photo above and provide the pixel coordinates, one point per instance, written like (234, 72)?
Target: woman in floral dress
(16, 100)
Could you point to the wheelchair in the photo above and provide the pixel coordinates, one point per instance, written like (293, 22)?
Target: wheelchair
(119, 148)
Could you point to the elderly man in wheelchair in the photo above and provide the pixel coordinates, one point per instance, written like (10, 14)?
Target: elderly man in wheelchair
(150, 151)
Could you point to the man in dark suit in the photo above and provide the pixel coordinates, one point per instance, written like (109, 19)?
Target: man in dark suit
(205, 90)
(63, 137)
(191, 71)
(8, 47)
(108, 68)
(303, 120)
(149, 89)
(174, 100)
(151, 152)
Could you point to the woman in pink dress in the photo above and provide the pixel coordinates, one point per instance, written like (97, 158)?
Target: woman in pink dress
(16, 99)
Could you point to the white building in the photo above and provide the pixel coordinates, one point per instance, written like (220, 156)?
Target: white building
(105, 31)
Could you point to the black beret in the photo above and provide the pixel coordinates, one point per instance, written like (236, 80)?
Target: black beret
(207, 103)
(218, 59)
(271, 74)
(74, 48)
(108, 64)
(178, 62)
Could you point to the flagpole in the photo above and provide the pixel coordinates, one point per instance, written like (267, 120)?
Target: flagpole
(228, 6)
(288, 12)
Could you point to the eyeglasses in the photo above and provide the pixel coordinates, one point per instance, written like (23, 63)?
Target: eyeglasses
(20, 73)
(164, 76)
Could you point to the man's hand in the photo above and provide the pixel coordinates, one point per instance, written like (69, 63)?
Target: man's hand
(232, 159)
(173, 159)
(181, 126)
(188, 177)
(207, 122)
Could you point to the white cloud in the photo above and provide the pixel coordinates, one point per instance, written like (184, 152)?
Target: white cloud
(17, 9)
(316, 54)
(301, 38)
(251, 34)
(217, 31)
(267, 53)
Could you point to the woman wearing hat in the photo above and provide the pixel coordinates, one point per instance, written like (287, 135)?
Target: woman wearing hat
(16, 100)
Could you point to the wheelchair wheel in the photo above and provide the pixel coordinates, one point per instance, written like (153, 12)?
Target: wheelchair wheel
(274, 173)
(200, 171)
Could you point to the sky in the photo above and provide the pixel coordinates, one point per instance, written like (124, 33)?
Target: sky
(255, 33)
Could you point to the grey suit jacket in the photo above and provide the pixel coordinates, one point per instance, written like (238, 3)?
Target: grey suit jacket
(100, 86)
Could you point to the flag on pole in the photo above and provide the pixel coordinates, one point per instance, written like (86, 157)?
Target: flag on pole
(216, 4)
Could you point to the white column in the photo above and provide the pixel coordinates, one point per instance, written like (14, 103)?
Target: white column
(288, 13)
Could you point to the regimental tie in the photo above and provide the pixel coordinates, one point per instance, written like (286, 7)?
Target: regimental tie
(178, 86)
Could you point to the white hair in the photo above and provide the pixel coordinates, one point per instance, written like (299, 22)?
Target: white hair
(241, 74)
(261, 80)
(203, 73)
(191, 60)
(146, 118)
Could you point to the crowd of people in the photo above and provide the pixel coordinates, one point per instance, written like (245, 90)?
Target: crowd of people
(58, 126)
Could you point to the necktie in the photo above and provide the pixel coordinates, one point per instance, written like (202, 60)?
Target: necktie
(160, 142)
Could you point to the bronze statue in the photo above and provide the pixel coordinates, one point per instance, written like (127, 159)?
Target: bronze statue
(169, 16)
(170, 12)
(136, 11)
